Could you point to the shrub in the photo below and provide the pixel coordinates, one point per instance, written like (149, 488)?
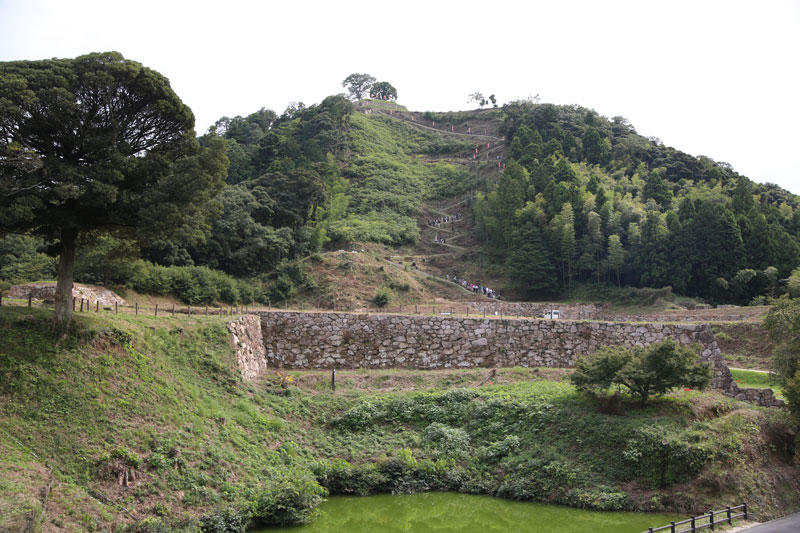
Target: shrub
(358, 417)
(792, 393)
(382, 297)
(499, 449)
(664, 458)
(599, 499)
(783, 323)
(290, 502)
(341, 477)
(229, 520)
(446, 440)
(654, 369)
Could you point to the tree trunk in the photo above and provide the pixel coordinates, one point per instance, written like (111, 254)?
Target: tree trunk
(66, 267)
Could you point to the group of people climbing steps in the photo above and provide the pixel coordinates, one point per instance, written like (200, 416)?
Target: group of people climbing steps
(474, 287)
(438, 221)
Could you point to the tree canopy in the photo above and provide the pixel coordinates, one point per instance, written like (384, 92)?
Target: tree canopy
(358, 85)
(383, 90)
(101, 144)
(643, 371)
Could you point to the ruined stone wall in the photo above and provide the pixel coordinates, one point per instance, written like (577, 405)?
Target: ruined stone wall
(249, 345)
(46, 292)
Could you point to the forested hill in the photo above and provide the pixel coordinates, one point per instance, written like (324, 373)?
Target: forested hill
(582, 198)
(559, 195)
(586, 198)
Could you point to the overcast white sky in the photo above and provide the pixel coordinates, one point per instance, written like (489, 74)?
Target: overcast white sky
(717, 78)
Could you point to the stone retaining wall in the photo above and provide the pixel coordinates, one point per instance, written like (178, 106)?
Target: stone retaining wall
(304, 340)
(249, 345)
(346, 340)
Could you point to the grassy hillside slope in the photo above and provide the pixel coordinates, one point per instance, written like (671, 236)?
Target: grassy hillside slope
(160, 400)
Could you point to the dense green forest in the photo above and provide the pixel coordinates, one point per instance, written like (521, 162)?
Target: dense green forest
(582, 200)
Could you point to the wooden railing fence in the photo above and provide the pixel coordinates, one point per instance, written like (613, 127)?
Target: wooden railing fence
(708, 520)
(85, 305)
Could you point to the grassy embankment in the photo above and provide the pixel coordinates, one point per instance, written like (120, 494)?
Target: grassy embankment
(161, 399)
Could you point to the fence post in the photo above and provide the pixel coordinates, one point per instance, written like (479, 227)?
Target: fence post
(116, 308)
(416, 309)
(97, 306)
(137, 308)
(173, 310)
(81, 305)
(333, 379)
(693, 525)
(745, 510)
(711, 519)
(728, 511)
(156, 309)
(189, 310)
(206, 310)
(30, 300)
(672, 528)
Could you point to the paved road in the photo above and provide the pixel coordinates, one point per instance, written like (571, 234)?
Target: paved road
(787, 524)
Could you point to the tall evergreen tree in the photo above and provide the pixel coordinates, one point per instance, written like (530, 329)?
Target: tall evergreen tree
(111, 148)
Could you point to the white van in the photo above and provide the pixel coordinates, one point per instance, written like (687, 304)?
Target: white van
(553, 313)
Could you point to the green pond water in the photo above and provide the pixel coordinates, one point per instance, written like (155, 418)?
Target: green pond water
(465, 513)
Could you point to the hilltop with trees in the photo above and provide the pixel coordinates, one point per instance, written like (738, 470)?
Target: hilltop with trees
(564, 198)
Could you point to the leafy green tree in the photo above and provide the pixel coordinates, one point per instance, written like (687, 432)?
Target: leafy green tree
(783, 323)
(616, 255)
(791, 391)
(240, 245)
(715, 249)
(478, 98)
(511, 196)
(594, 232)
(658, 189)
(563, 230)
(383, 90)
(23, 258)
(596, 148)
(529, 265)
(643, 371)
(742, 197)
(109, 147)
(358, 85)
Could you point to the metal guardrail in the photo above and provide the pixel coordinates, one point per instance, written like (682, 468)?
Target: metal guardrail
(708, 520)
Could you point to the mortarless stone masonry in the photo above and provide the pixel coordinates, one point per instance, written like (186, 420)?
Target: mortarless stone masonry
(304, 340)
